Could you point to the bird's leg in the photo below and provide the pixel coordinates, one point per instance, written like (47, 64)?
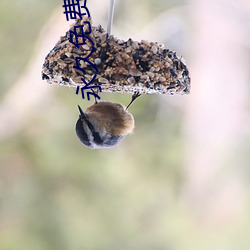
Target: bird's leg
(134, 97)
(94, 95)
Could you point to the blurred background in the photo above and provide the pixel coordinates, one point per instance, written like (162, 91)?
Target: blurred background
(180, 182)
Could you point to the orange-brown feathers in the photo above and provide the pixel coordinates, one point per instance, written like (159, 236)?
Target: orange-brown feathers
(112, 117)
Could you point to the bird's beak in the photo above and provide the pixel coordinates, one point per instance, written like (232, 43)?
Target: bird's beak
(82, 115)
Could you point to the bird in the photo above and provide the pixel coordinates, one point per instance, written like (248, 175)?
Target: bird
(104, 124)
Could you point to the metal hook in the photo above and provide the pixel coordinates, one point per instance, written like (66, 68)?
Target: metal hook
(110, 15)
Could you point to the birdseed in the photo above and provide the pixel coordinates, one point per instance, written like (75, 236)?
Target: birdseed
(123, 66)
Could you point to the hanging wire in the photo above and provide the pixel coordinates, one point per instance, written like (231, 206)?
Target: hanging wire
(110, 16)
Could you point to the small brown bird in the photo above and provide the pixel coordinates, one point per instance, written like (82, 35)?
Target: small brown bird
(104, 125)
